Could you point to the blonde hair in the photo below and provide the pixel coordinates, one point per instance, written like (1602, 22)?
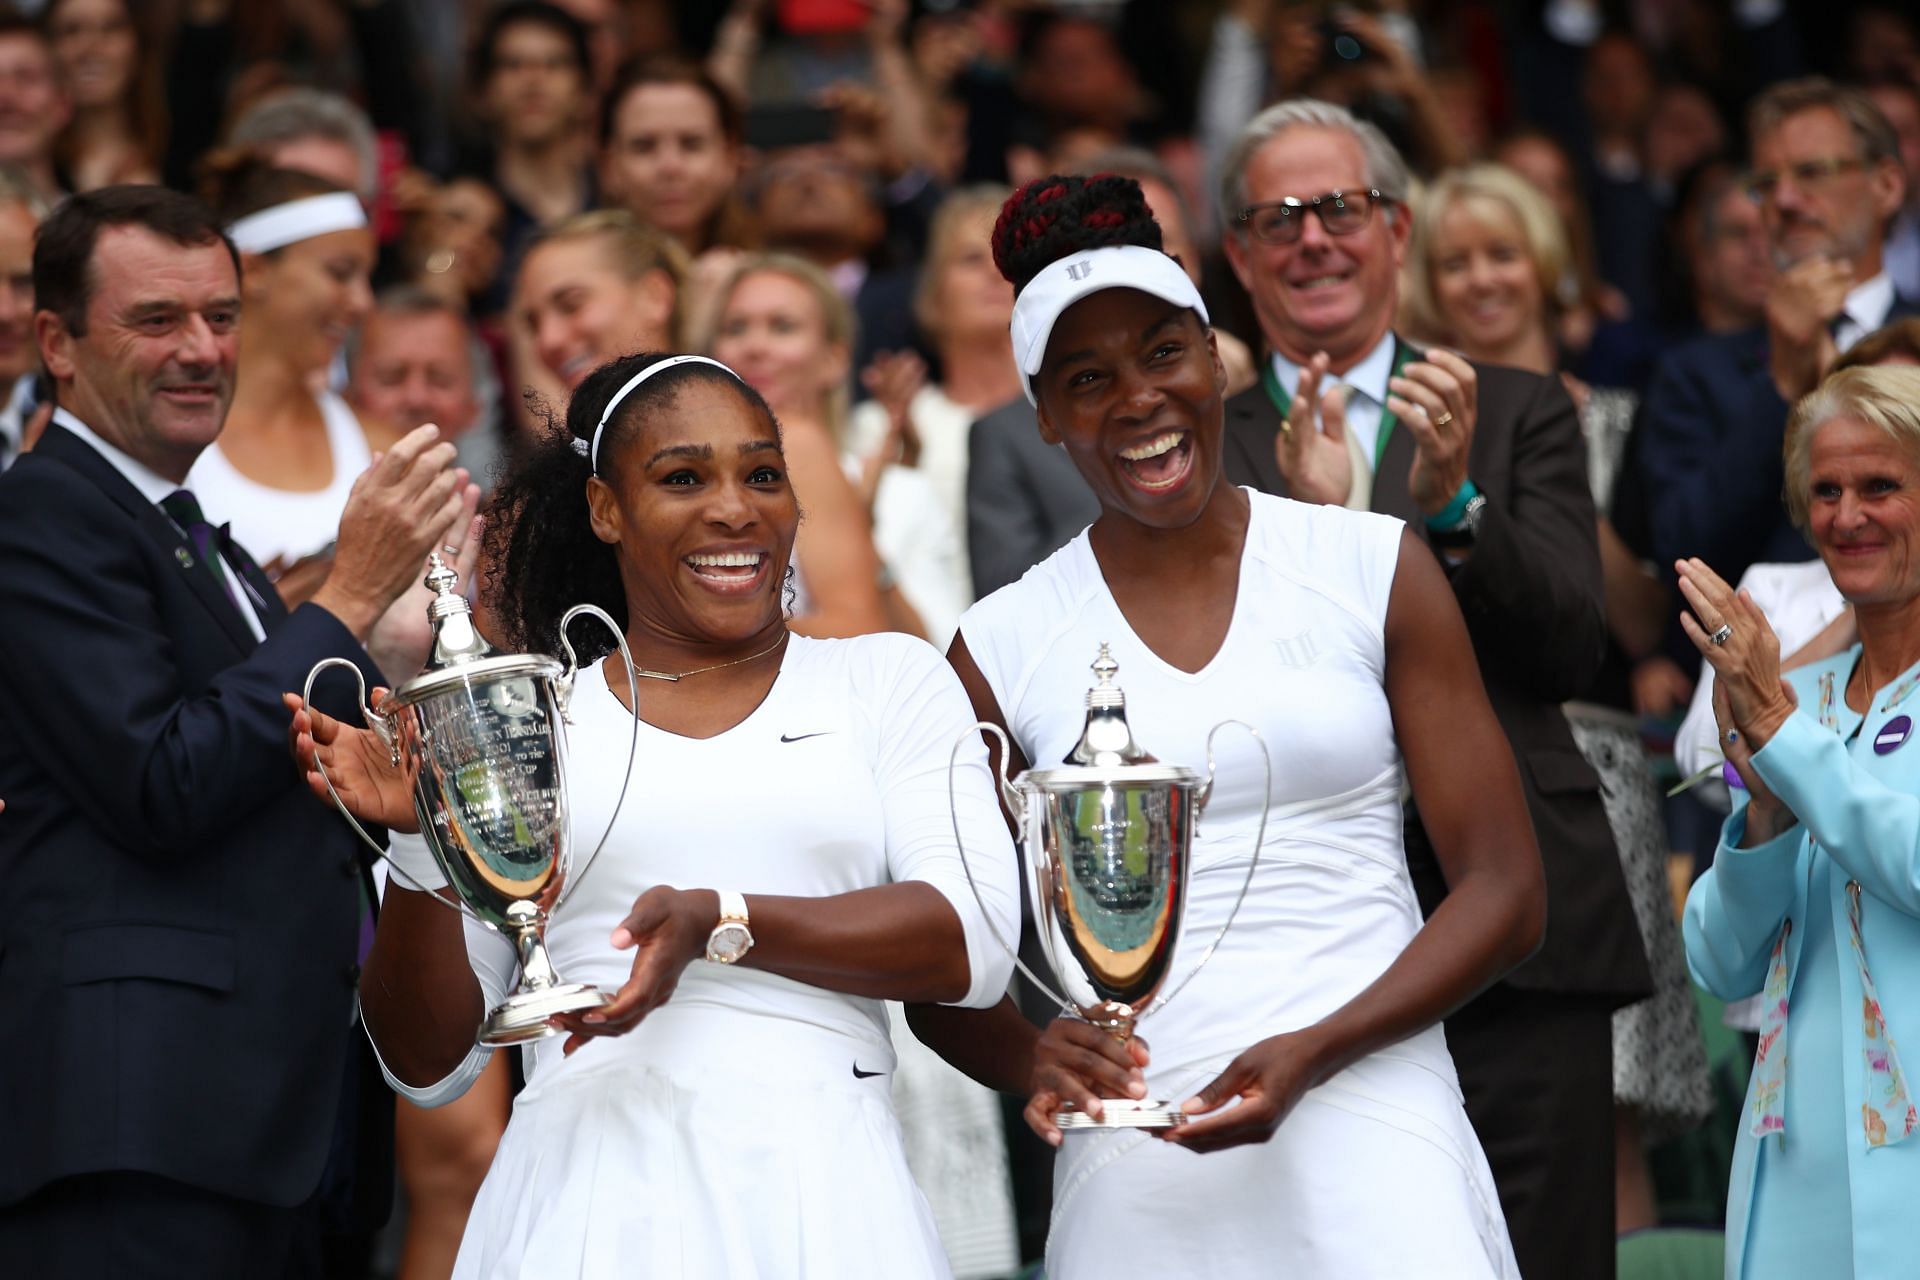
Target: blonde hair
(836, 317)
(1483, 184)
(943, 238)
(1883, 396)
(635, 248)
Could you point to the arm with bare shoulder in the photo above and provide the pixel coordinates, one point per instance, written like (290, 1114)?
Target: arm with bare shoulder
(835, 548)
(1468, 791)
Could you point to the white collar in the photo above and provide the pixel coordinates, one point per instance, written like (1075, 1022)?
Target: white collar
(152, 485)
(1369, 377)
(1867, 304)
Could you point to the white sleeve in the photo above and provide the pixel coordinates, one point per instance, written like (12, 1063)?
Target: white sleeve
(925, 714)
(492, 960)
(407, 851)
(1696, 744)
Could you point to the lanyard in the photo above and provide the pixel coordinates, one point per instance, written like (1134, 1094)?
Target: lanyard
(1283, 400)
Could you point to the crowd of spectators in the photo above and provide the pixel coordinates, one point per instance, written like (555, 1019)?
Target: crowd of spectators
(1687, 210)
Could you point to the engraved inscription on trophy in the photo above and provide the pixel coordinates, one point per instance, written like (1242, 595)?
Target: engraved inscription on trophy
(1107, 837)
(481, 736)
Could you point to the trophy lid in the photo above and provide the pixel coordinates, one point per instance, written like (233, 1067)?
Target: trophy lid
(1106, 752)
(460, 653)
(1107, 739)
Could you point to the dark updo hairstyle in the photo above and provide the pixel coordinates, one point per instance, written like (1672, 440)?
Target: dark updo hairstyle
(1052, 217)
(237, 181)
(539, 535)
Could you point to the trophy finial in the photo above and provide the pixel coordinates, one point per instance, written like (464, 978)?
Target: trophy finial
(1107, 740)
(454, 638)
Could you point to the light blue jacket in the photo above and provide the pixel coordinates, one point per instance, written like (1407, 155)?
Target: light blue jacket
(1860, 809)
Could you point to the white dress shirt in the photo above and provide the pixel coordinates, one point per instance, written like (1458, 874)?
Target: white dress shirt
(154, 487)
(1366, 402)
(1866, 309)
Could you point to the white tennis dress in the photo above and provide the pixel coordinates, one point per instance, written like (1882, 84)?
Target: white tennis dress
(745, 1128)
(1376, 1173)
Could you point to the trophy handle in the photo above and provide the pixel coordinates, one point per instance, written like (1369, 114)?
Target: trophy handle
(382, 728)
(1253, 864)
(563, 697)
(1017, 804)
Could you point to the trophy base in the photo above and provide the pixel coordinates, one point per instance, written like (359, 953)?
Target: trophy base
(1121, 1113)
(523, 1017)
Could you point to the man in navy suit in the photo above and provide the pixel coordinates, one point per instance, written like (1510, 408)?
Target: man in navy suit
(177, 957)
(1828, 179)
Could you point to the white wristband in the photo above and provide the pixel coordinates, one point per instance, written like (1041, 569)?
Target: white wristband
(411, 858)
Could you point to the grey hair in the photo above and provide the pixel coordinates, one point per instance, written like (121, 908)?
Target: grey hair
(1386, 169)
(17, 188)
(290, 114)
(1886, 397)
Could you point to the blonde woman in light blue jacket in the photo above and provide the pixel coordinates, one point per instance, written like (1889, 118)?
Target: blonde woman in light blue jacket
(1814, 895)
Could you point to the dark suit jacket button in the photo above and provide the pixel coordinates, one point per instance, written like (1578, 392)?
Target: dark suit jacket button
(350, 868)
(352, 974)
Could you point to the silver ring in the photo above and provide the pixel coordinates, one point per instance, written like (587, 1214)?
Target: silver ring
(450, 549)
(1733, 736)
(1721, 636)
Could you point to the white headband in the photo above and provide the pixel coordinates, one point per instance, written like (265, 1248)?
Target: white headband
(591, 450)
(297, 220)
(1061, 284)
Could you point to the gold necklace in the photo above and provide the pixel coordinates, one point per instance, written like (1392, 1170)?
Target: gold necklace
(669, 676)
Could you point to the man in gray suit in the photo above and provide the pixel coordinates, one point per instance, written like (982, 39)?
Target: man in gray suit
(1487, 466)
(1025, 499)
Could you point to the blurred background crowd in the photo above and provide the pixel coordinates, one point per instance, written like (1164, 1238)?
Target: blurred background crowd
(805, 190)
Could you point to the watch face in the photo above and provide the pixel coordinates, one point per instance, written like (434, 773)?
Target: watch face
(728, 943)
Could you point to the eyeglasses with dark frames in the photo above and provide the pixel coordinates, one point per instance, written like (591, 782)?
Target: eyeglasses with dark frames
(1341, 213)
(1763, 185)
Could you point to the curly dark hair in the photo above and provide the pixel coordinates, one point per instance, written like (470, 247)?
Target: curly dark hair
(1054, 216)
(539, 540)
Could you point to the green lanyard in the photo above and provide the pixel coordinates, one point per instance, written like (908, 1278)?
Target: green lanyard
(1284, 401)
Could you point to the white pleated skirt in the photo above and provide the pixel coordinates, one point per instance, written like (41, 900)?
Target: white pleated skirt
(785, 1166)
(1375, 1175)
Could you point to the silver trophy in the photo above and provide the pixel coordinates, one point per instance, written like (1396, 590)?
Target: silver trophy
(1107, 837)
(479, 734)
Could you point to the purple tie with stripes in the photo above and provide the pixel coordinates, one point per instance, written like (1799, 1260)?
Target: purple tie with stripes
(184, 509)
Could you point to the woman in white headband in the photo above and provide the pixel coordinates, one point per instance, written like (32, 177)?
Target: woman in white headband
(291, 448)
(1307, 1053)
(784, 861)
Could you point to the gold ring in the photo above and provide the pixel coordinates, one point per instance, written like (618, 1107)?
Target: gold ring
(1444, 418)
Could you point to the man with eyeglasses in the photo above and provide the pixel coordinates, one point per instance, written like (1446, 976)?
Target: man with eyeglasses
(1827, 180)
(1487, 465)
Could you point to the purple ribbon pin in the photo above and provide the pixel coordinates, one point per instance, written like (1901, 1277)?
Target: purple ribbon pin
(1893, 735)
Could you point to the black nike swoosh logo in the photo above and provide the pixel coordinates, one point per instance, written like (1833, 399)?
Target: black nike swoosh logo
(858, 1074)
(802, 737)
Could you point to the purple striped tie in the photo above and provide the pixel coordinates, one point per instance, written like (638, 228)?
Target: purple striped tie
(184, 509)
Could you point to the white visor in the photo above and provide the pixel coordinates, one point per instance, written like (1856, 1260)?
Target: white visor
(297, 220)
(1063, 283)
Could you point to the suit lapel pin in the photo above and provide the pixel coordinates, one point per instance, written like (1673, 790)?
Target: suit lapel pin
(184, 556)
(1893, 735)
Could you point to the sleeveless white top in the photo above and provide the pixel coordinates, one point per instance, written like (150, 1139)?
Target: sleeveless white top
(271, 522)
(1375, 1173)
(1303, 662)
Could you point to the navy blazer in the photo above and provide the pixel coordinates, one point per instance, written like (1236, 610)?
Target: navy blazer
(1531, 596)
(1707, 453)
(177, 951)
